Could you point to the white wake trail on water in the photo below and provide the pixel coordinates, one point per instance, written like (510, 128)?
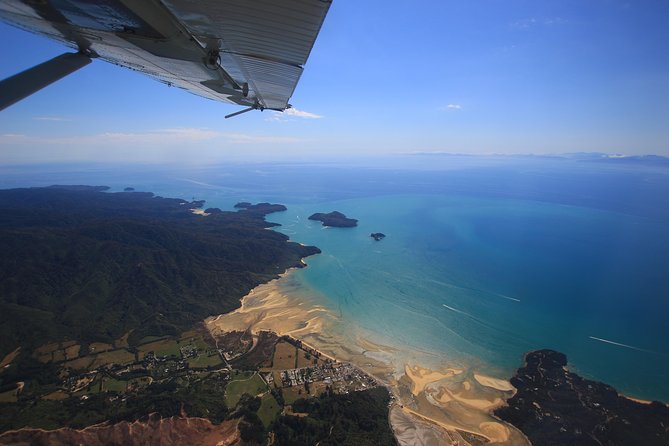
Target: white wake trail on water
(491, 293)
(619, 344)
(507, 297)
(199, 183)
(461, 312)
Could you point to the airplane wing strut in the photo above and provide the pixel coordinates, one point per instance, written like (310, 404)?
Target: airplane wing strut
(27, 82)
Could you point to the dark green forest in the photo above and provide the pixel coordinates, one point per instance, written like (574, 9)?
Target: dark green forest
(80, 263)
(355, 419)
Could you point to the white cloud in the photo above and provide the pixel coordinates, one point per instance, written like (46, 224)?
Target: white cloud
(154, 137)
(289, 113)
(532, 22)
(450, 107)
(182, 145)
(163, 136)
(301, 114)
(243, 138)
(524, 23)
(12, 136)
(556, 21)
(51, 118)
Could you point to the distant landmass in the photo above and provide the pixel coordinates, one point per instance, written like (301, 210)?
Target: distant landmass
(334, 219)
(619, 158)
(554, 406)
(648, 159)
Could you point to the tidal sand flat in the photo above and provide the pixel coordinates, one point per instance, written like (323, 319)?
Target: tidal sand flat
(454, 401)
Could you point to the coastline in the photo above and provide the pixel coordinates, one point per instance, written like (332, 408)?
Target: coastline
(456, 401)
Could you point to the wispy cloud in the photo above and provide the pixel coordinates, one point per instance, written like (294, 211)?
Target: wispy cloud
(534, 22)
(182, 145)
(524, 23)
(154, 138)
(290, 113)
(555, 21)
(12, 136)
(51, 118)
(301, 114)
(243, 138)
(174, 135)
(450, 107)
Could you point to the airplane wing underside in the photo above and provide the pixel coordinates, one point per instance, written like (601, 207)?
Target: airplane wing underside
(246, 52)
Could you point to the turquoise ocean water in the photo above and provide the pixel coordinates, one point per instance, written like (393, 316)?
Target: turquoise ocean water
(483, 260)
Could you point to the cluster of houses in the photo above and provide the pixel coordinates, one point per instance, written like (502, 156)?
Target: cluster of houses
(328, 373)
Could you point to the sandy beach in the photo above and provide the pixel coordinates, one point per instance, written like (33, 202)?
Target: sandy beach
(435, 406)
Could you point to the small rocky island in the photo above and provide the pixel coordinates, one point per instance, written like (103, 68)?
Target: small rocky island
(334, 219)
(129, 189)
(378, 236)
(554, 406)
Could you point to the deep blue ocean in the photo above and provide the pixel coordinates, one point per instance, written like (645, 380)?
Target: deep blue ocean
(485, 258)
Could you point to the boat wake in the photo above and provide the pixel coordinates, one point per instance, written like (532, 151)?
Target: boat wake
(490, 293)
(619, 344)
(507, 297)
(461, 312)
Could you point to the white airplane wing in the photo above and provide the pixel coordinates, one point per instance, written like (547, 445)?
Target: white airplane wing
(245, 52)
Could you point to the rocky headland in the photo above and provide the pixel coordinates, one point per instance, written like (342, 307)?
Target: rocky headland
(554, 406)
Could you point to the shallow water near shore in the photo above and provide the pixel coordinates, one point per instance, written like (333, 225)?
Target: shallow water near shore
(462, 281)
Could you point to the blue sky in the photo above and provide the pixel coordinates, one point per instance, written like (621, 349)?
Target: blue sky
(385, 77)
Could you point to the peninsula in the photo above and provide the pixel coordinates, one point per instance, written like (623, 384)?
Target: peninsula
(554, 406)
(334, 219)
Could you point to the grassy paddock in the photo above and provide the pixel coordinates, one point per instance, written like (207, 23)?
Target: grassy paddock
(242, 384)
(113, 357)
(269, 410)
(165, 347)
(304, 359)
(204, 360)
(149, 339)
(284, 356)
(290, 394)
(8, 397)
(72, 351)
(97, 347)
(81, 363)
(114, 385)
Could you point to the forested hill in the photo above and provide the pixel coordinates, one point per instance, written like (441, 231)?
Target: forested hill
(79, 263)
